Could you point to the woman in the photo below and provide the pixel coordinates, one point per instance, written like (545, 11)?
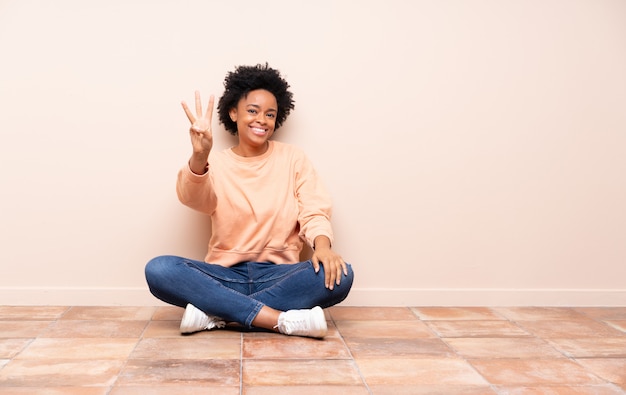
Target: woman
(265, 199)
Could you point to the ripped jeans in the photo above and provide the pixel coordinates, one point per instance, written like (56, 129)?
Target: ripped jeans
(237, 293)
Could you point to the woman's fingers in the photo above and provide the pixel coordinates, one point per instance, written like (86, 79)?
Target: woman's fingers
(334, 266)
(330, 279)
(332, 274)
(208, 115)
(198, 104)
(190, 116)
(209, 110)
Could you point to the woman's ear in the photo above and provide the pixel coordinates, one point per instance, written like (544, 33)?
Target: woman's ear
(233, 114)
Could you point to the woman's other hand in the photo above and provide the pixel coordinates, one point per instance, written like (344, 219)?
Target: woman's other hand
(334, 265)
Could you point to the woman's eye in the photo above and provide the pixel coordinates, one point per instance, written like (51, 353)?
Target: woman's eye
(271, 115)
(252, 111)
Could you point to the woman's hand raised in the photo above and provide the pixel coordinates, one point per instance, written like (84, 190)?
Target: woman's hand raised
(201, 134)
(200, 130)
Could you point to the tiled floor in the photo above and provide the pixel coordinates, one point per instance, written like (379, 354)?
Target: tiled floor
(425, 350)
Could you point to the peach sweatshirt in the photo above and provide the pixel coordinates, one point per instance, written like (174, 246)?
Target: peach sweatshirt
(261, 208)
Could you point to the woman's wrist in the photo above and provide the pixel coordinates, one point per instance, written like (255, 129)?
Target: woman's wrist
(198, 164)
(321, 242)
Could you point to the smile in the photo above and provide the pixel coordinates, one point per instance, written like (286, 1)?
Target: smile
(259, 131)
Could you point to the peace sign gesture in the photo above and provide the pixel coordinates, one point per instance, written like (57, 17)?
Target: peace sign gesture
(200, 130)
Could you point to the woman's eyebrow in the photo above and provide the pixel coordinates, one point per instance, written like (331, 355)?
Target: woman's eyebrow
(257, 106)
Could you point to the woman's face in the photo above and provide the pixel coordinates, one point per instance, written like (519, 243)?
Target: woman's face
(255, 116)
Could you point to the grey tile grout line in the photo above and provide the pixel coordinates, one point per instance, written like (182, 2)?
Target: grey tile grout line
(241, 363)
(356, 365)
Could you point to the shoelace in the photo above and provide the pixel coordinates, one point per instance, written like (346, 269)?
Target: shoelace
(299, 323)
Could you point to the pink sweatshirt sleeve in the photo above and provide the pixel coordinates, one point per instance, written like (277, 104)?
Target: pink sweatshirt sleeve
(195, 191)
(314, 202)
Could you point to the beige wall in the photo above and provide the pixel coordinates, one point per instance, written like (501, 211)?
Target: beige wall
(475, 150)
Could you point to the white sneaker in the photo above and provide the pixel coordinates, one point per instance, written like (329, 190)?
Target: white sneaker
(310, 323)
(195, 320)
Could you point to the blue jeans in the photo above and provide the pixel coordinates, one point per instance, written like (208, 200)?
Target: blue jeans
(237, 293)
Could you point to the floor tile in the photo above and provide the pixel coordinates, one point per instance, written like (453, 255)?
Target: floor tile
(172, 329)
(181, 389)
(300, 372)
(60, 373)
(9, 348)
(478, 348)
(55, 390)
(332, 330)
(421, 371)
(31, 313)
(103, 313)
(188, 347)
(414, 389)
(285, 347)
(180, 372)
(539, 313)
(472, 328)
(23, 328)
(168, 313)
(611, 369)
(178, 389)
(398, 348)
(97, 350)
(78, 348)
(604, 313)
(591, 347)
(102, 329)
(384, 329)
(307, 390)
(162, 329)
(534, 372)
(620, 325)
(569, 329)
(264, 333)
(339, 313)
(456, 313)
(603, 389)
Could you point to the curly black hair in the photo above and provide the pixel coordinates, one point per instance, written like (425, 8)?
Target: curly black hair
(245, 79)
